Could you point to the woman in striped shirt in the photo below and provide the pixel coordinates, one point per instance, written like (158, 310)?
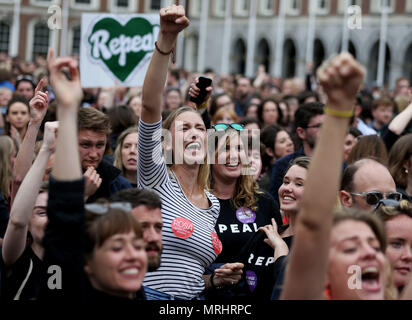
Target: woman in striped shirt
(189, 211)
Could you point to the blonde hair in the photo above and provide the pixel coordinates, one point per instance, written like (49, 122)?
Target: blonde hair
(118, 163)
(6, 148)
(204, 170)
(246, 187)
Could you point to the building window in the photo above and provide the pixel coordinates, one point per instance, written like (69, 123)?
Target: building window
(156, 5)
(76, 36)
(219, 8)
(322, 7)
(409, 6)
(293, 7)
(122, 3)
(378, 5)
(266, 7)
(195, 8)
(42, 3)
(342, 4)
(85, 4)
(41, 39)
(242, 8)
(124, 6)
(4, 36)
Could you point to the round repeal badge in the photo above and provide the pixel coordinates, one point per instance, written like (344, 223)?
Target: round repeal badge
(182, 228)
(251, 279)
(217, 244)
(245, 215)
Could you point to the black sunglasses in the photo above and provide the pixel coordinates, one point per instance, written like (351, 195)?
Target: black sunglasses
(225, 126)
(373, 197)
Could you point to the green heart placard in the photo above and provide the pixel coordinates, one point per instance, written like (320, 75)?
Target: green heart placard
(121, 48)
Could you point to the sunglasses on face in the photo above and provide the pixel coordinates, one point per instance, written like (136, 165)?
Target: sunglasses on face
(225, 126)
(372, 198)
(103, 208)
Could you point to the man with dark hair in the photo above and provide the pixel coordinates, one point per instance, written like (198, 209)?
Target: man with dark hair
(146, 206)
(25, 86)
(306, 96)
(243, 92)
(308, 120)
(364, 183)
(101, 178)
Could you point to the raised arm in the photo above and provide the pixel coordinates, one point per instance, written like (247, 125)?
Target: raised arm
(400, 122)
(63, 237)
(16, 234)
(172, 21)
(69, 95)
(306, 273)
(38, 108)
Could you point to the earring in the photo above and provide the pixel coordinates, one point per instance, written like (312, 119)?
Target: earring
(406, 171)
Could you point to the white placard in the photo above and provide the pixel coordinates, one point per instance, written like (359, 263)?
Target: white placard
(116, 48)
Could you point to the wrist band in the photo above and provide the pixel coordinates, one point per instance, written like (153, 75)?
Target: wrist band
(172, 51)
(203, 105)
(339, 113)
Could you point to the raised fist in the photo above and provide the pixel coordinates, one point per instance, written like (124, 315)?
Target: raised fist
(341, 78)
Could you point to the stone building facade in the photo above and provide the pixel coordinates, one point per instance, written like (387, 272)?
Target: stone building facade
(33, 36)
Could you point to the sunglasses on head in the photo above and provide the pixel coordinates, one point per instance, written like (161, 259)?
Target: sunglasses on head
(103, 208)
(225, 126)
(25, 77)
(373, 197)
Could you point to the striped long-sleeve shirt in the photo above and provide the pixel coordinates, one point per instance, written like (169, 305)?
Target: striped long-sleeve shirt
(189, 240)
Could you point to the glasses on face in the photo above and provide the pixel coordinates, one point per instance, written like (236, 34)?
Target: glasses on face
(315, 126)
(372, 198)
(103, 208)
(225, 126)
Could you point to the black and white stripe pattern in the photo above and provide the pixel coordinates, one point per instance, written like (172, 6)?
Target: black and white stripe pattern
(183, 260)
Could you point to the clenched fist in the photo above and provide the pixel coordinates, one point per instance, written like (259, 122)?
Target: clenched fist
(341, 78)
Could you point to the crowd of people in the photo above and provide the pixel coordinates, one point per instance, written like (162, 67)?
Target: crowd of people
(267, 189)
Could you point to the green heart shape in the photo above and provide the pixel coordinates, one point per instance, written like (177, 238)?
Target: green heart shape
(121, 48)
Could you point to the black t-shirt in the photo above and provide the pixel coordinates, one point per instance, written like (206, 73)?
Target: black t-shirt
(236, 227)
(22, 280)
(241, 242)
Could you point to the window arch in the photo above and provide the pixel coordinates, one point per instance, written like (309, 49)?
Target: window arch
(408, 63)
(239, 57)
(263, 54)
(289, 59)
(373, 63)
